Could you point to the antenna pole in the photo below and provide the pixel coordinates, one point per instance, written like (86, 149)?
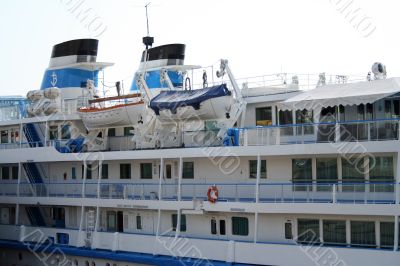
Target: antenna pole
(147, 19)
(148, 41)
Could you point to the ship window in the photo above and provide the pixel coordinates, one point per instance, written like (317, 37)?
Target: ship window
(111, 221)
(125, 171)
(14, 172)
(253, 169)
(4, 136)
(222, 227)
(213, 226)
(188, 170)
(353, 174)
(308, 230)
(53, 132)
(288, 230)
(76, 263)
(14, 136)
(111, 132)
(138, 222)
(5, 172)
(240, 226)
(146, 170)
(168, 171)
(73, 173)
(127, 131)
(65, 132)
(285, 117)
(301, 174)
(387, 234)
(264, 116)
(86, 263)
(88, 171)
(175, 222)
(326, 173)
(381, 170)
(304, 117)
(104, 171)
(93, 263)
(363, 233)
(334, 232)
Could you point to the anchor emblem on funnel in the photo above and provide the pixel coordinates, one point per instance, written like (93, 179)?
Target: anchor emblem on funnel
(54, 79)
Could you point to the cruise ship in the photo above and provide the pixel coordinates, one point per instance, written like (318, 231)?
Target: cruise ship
(193, 166)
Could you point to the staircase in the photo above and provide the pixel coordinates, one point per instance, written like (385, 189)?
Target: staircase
(33, 173)
(90, 226)
(33, 136)
(35, 216)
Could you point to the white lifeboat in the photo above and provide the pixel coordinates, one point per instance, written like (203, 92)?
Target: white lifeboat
(125, 110)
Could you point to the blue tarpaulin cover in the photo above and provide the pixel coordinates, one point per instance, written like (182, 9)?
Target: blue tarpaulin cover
(173, 99)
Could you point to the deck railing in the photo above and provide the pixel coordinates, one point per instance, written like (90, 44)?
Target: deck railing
(312, 192)
(351, 131)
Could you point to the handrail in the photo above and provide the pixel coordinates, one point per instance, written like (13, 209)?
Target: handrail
(321, 123)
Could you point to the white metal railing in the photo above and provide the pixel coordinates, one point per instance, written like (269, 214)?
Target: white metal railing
(353, 131)
(301, 192)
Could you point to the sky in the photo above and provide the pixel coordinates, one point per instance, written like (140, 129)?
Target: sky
(257, 36)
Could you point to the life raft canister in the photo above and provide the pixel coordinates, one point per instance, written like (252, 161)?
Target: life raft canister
(212, 194)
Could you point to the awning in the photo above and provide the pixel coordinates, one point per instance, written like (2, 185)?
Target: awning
(342, 94)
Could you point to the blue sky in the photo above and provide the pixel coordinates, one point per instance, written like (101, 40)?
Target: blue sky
(256, 36)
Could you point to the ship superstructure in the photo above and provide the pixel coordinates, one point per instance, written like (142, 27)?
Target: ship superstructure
(273, 170)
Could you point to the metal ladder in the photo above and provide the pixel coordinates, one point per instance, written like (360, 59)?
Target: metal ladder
(90, 226)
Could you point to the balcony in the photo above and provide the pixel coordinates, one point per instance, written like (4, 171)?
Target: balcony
(353, 131)
(313, 192)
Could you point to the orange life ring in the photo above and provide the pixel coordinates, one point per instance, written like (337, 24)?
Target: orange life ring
(212, 194)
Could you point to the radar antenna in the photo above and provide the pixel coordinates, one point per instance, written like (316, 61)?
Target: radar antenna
(148, 41)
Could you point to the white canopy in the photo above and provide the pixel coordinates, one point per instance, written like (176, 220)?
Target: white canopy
(342, 94)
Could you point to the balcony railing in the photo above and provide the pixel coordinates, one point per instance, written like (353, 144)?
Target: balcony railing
(313, 192)
(352, 131)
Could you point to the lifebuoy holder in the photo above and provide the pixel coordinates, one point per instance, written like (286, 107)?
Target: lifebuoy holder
(212, 194)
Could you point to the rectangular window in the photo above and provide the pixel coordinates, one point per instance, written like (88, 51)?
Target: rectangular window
(222, 227)
(175, 222)
(302, 174)
(381, 171)
(240, 226)
(326, 173)
(387, 234)
(353, 174)
(65, 131)
(363, 233)
(104, 171)
(73, 174)
(14, 172)
(285, 117)
(188, 170)
(88, 171)
(14, 136)
(111, 221)
(5, 172)
(288, 230)
(127, 131)
(53, 132)
(146, 170)
(253, 169)
(138, 222)
(264, 116)
(213, 226)
(125, 171)
(4, 136)
(304, 117)
(111, 132)
(308, 230)
(334, 232)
